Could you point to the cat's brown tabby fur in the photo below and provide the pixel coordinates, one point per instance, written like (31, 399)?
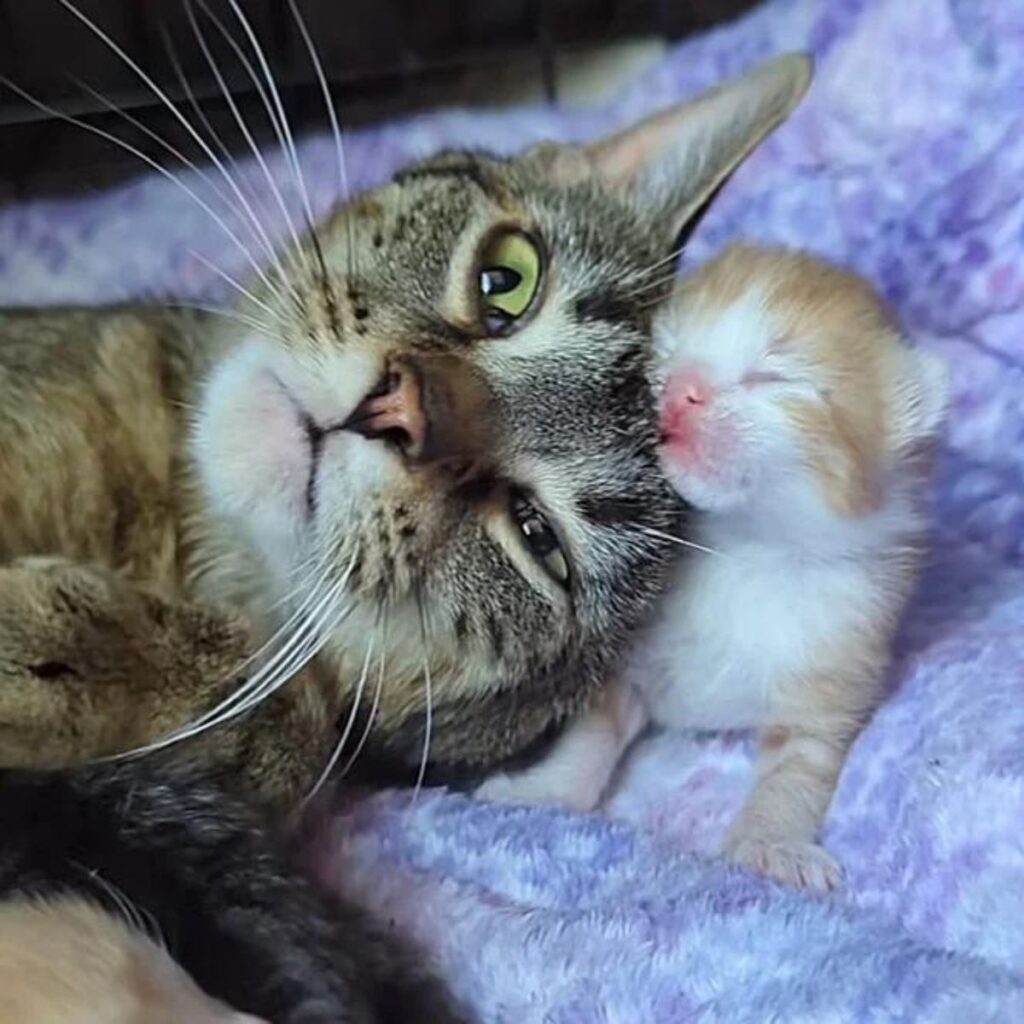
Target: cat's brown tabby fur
(435, 421)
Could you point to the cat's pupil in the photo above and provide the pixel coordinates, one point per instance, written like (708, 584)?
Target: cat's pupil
(499, 280)
(538, 535)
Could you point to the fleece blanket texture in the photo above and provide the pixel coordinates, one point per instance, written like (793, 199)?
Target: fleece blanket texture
(906, 162)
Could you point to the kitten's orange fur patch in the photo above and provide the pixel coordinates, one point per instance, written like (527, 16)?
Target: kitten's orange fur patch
(66, 961)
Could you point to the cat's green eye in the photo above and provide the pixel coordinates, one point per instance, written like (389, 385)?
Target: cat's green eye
(539, 538)
(509, 278)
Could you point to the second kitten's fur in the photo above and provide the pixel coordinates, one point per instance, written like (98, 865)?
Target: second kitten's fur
(68, 960)
(204, 872)
(797, 423)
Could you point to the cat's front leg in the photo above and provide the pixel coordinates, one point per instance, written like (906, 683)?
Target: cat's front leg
(91, 665)
(575, 773)
(776, 832)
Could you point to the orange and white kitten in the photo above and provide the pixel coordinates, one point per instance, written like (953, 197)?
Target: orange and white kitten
(798, 424)
(67, 961)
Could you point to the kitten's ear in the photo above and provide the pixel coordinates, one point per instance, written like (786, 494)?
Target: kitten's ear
(933, 392)
(674, 160)
(919, 397)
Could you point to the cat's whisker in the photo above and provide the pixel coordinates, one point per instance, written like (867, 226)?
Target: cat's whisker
(149, 161)
(243, 126)
(281, 127)
(136, 917)
(300, 649)
(148, 80)
(321, 631)
(339, 747)
(428, 694)
(378, 690)
(304, 606)
(248, 695)
(222, 147)
(228, 708)
(652, 284)
(185, 161)
(343, 184)
(229, 314)
(309, 569)
(670, 258)
(238, 286)
(682, 541)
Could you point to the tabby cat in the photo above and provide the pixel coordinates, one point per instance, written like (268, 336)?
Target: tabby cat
(415, 473)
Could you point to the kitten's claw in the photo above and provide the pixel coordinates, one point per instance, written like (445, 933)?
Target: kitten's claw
(800, 865)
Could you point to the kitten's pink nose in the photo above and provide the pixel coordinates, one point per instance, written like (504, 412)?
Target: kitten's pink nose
(687, 395)
(690, 386)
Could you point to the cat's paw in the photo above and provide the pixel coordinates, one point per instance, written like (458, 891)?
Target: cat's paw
(535, 788)
(91, 665)
(797, 864)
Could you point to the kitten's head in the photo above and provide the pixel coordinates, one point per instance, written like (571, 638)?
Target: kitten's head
(789, 390)
(450, 416)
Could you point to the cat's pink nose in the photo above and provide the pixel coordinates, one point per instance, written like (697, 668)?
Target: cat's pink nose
(394, 410)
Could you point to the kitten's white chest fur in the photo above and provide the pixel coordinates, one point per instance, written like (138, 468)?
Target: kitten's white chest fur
(740, 629)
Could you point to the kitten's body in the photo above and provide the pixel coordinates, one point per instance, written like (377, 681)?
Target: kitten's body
(798, 424)
(67, 960)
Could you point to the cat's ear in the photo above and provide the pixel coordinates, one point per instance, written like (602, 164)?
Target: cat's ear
(673, 161)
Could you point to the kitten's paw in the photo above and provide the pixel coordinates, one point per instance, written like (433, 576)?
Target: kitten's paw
(800, 865)
(533, 788)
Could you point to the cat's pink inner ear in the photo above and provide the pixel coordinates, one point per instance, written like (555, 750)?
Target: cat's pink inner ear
(679, 156)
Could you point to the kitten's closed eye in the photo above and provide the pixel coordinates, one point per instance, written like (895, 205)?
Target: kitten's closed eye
(757, 377)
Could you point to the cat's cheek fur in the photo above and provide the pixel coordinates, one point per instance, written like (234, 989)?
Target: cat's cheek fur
(255, 455)
(251, 445)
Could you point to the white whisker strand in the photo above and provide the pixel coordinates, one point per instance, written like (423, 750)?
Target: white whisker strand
(296, 655)
(240, 288)
(253, 691)
(428, 720)
(349, 725)
(378, 690)
(163, 97)
(215, 138)
(136, 917)
(650, 285)
(228, 707)
(329, 622)
(240, 120)
(150, 162)
(681, 541)
(343, 184)
(671, 258)
(228, 314)
(184, 160)
(288, 142)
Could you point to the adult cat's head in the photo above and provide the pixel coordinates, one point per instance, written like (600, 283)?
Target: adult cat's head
(448, 426)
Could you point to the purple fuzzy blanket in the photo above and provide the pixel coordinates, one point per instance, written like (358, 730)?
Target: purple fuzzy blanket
(907, 163)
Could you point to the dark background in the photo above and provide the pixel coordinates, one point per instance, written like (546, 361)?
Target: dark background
(382, 57)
